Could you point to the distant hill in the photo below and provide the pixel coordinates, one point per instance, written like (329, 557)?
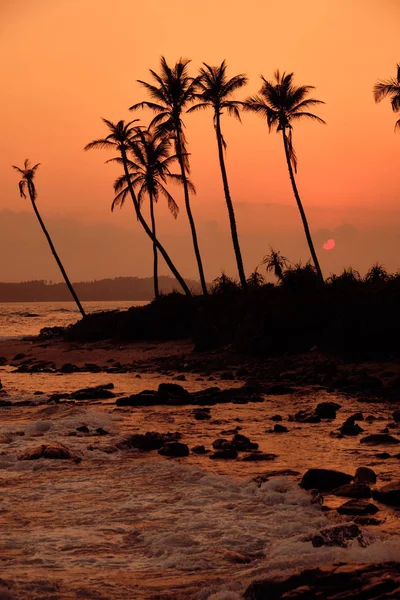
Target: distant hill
(120, 288)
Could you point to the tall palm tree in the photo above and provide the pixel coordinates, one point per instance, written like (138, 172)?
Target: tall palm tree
(282, 103)
(28, 173)
(215, 91)
(149, 170)
(389, 87)
(119, 139)
(172, 91)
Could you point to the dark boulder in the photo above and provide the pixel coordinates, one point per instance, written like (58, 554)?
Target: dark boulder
(173, 394)
(228, 453)
(396, 416)
(200, 450)
(357, 508)
(146, 398)
(69, 368)
(365, 475)
(276, 418)
(379, 439)
(99, 392)
(388, 494)
(305, 416)
(174, 449)
(350, 428)
(241, 442)
(353, 490)
(324, 479)
(327, 410)
(280, 428)
(151, 440)
(258, 456)
(201, 414)
(49, 450)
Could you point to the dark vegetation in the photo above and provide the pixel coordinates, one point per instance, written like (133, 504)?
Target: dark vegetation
(348, 315)
(119, 288)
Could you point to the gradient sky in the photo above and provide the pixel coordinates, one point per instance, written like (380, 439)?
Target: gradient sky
(66, 63)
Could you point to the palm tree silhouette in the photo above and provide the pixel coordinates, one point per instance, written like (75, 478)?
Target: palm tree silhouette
(274, 261)
(149, 171)
(28, 173)
(389, 87)
(119, 139)
(215, 91)
(173, 91)
(282, 103)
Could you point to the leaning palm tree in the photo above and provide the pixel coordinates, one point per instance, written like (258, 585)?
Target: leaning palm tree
(172, 91)
(389, 87)
(274, 261)
(119, 139)
(27, 183)
(215, 91)
(282, 103)
(149, 171)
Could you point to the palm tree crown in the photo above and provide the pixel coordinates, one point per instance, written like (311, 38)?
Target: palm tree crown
(118, 138)
(389, 87)
(215, 90)
(149, 169)
(171, 91)
(282, 103)
(28, 173)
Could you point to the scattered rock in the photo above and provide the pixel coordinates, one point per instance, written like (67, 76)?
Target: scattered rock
(173, 394)
(382, 455)
(353, 490)
(305, 416)
(258, 456)
(357, 508)
(388, 494)
(365, 475)
(396, 416)
(338, 535)
(179, 378)
(19, 356)
(174, 449)
(227, 453)
(83, 429)
(324, 479)
(200, 450)
(280, 428)
(350, 428)
(101, 431)
(327, 410)
(276, 418)
(201, 414)
(379, 439)
(51, 450)
(69, 368)
(99, 392)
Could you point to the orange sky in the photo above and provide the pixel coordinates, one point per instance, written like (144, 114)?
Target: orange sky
(66, 63)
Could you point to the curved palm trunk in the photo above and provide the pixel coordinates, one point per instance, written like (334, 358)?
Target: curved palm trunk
(231, 212)
(58, 261)
(147, 229)
(189, 211)
(155, 255)
(301, 209)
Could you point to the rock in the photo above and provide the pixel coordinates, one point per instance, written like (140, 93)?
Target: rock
(353, 490)
(327, 410)
(396, 416)
(99, 392)
(173, 394)
(51, 450)
(227, 453)
(258, 456)
(358, 416)
(338, 535)
(388, 494)
(357, 508)
(83, 429)
(221, 443)
(3, 361)
(145, 398)
(5, 403)
(19, 356)
(201, 414)
(379, 439)
(350, 428)
(382, 455)
(332, 582)
(370, 418)
(367, 521)
(276, 418)
(280, 428)
(101, 431)
(200, 450)
(324, 479)
(306, 416)
(365, 475)
(241, 442)
(69, 368)
(151, 440)
(174, 449)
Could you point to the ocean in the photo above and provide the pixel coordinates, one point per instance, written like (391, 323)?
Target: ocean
(20, 319)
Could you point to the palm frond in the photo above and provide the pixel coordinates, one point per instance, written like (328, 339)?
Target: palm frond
(21, 186)
(100, 144)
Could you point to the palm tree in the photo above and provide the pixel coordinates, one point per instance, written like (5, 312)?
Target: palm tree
(28, 173)
(119, 139)
(274, 261)
(215, 91)
(282, 103)
(389, 87)
(172, 91)
(149, 171)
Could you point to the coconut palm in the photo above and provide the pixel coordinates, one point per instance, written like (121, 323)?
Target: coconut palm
(389, 87)
(215, 90)
(149, 170)
(274, 261)
(27, 183)
(119, 139)
(172, 91)
(282, 103)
